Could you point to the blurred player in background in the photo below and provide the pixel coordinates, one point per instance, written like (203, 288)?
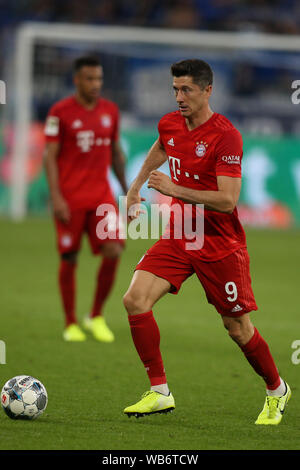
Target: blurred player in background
(82, 143)
(204, 151)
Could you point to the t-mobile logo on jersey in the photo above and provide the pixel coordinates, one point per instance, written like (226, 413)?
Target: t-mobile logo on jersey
(85, 140)
(174, 166)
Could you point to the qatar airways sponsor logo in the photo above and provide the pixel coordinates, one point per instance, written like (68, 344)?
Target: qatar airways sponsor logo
(150, 221)
(231, 159)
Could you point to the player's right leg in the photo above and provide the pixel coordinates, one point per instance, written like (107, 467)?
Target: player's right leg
(144, 291)
(67, 286)
(161, 270)
(68, 244)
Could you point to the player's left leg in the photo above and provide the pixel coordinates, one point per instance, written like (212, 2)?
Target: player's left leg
(106, 275)
(227, 284)
(110, 251)
(258, 354)
(105, 278)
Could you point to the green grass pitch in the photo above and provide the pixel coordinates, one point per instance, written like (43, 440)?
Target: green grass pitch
(218, 396)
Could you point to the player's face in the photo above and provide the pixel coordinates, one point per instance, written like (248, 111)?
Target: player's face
(88, 81)
(191, 98)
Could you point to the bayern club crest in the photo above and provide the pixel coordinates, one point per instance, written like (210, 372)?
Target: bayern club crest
(106, 120)
(201, 149)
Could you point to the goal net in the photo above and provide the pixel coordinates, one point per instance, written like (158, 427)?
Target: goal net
(253, 77)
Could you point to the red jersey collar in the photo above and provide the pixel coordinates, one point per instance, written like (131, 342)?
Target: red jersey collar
(202, 126)
(82, 107)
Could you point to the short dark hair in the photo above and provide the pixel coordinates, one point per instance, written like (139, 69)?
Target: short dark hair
(199, 70)
(86, 61)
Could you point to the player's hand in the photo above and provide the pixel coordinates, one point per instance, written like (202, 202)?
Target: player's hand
(61, 209)
(133, 202)
(161, 182)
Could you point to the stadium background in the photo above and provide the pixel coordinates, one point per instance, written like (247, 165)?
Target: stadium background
(253, 89)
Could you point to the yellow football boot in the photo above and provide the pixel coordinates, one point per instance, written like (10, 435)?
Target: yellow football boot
(74, 333)
(150, 403)
(273, 409)
(99, 329)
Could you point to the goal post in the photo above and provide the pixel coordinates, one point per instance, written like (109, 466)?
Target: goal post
(30, 34)
(23, 114)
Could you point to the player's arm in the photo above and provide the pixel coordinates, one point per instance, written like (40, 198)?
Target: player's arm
(228, 176)
(155, 158)
(118, 164)
(223, 200)
(60, 206)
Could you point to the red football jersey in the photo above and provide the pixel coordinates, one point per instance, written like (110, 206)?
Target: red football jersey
(84, 158)
(196, 158)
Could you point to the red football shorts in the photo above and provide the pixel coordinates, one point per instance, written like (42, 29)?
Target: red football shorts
(69, 235)
(227, 282)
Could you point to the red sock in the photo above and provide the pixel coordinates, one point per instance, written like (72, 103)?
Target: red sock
(105, 279)
(67, 287)
(146, 338)
(258, 355)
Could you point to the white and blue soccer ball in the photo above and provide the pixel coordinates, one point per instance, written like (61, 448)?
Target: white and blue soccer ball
(24, 397)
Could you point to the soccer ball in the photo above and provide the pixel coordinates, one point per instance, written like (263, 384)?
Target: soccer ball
(24, 397)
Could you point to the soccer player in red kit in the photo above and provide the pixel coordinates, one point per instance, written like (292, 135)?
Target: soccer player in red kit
(204, 152)
(82, 143)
